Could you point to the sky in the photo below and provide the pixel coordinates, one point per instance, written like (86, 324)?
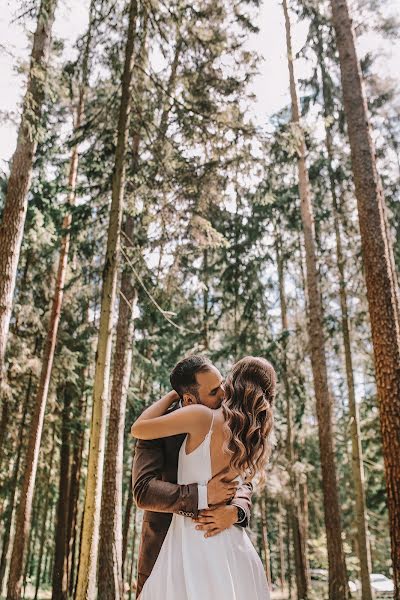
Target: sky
(270, 86)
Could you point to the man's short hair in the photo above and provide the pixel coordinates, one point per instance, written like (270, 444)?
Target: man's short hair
(183, 375)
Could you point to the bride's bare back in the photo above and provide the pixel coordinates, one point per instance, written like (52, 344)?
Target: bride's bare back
(219, 459)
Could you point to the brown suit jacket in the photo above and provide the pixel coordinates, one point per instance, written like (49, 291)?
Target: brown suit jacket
(155, 490)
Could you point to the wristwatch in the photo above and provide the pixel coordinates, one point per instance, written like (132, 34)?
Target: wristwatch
(241, 514)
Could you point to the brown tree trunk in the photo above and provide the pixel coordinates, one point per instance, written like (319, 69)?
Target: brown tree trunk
(42, 537)
(337, 570)
(289, 556)
(75, 478)
(127, 517)
(86, 586)
(16, 200)
(36, 427)
(110, 554)
(293, 504)
(111, 586)
(24, 508)
(380, 276)
(132, 567)
(281, 542)
(265, 540)
(303, 503)
(5, 418)
(356, 459)
(60, 566)
(7, 516)
(60, 571)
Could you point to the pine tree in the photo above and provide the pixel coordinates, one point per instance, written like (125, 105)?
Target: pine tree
(16, 199)
(337, 569)
(380, 272)
(86, 585)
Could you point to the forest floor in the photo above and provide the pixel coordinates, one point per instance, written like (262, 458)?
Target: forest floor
(46, 594)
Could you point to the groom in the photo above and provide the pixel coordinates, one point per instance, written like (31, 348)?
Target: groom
(196, 381)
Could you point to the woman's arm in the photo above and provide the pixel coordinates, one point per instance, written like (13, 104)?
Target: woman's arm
(153, 423)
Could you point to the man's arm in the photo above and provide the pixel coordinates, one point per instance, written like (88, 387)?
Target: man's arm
(242, 499)
(150, 492)
(218, 518)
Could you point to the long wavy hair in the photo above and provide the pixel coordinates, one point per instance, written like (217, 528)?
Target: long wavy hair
(248, 411)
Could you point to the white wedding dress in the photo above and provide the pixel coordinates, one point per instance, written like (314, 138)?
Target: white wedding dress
(192, 567)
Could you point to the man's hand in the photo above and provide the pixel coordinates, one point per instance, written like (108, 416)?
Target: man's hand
(220, 490)
(216, 519)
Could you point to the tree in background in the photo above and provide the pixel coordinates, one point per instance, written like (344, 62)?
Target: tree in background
(86, 585)
(337, 569)
(16, 199)
(379, 265)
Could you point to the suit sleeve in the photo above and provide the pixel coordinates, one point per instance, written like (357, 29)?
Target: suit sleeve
(151, 492)
(243, 499)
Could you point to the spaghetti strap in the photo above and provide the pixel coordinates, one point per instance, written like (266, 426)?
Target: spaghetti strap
(212, 424)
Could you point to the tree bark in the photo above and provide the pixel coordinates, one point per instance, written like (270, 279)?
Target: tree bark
(111, 538)
(293, 505)
(86, 586)
(111, 559)
(127, 518)
(281, 550)
(289, 556)
(75, 478)
(35, 434)
(60, 571)
(132, 567)
(380, 275)
(16, 200)
(265, 540)
(7, 516)
(42, 537)
(337, 571)
(60, 566)
(356, 458)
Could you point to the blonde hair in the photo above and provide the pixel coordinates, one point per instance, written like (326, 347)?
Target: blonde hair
(248, 411)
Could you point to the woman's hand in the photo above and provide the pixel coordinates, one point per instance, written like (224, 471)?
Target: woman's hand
(174, 397)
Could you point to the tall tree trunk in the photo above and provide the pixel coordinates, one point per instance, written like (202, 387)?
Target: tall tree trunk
(42, 538)
(303, 504)
(75, 478)
(132, 567)
(206, 309)
(127, 517)
(281, 543)
(111, 586)
(86, 586)
(293, 505)
(337, 570)
(5, 418)
(357, 458)
(60, 572)
(110, 555)
(13, 488)
(16, 200)
(380, 276)
(289, 556)
(24, 508)
(265, 540)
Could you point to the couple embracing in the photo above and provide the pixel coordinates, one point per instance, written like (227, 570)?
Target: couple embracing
(199, 447)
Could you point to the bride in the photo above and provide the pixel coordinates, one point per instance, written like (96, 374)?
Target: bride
(235, 435)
